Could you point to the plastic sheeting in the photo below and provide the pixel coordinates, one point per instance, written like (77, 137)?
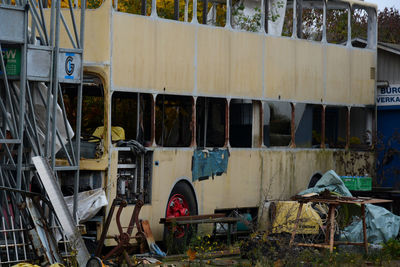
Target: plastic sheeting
(382, 225)
(207, 163)
(89, 203)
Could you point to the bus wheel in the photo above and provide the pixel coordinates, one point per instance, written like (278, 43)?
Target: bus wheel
(181, 202)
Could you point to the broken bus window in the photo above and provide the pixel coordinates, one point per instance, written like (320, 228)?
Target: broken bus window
(240, 123)
(210, 122)
(173, 120)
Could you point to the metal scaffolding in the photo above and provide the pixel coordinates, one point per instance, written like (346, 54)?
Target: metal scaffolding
(33, 122)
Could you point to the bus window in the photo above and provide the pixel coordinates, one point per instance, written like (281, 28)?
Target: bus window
(246, 15)
(210, 122)
(92, 105)
(277, 123)
(181, 10)
(139, 7)
(240, 123)
(360, 128)
(310, 26)
(335, 127)
(308, 125)
(337, 23)
(215, 12)
(359, 23)
(363, 27)
(124, 114)
(173, 120)
(287, 29)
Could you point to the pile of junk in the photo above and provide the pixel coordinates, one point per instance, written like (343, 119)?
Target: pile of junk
(328, 215)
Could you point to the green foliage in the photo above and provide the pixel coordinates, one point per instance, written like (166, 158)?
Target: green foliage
(388, 25)
(204, 244)
(246, 22)
(392, 248)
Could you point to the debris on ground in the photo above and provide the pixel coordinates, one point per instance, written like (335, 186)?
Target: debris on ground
(382, 225)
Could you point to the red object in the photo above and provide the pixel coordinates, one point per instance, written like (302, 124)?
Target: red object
(178, 207)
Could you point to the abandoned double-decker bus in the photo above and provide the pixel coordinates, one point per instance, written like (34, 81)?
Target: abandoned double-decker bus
(203, 106)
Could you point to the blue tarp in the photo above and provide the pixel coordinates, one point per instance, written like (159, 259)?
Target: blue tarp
(206, 163)
(382, 225)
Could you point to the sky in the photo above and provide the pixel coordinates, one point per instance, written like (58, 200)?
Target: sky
(385, 3)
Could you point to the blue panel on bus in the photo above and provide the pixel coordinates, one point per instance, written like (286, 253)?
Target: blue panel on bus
(388, 148)
(206, 163)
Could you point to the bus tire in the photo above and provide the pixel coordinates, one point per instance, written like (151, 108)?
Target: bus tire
(181, 202)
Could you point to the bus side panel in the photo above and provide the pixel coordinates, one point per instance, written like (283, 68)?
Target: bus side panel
(338, 74)
(309, 71)
(279, 71)
(246, 64)
(134, 56)
(213, 61)
(175, 53)
(362, 84)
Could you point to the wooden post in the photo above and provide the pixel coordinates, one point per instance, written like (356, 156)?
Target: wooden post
(296, 224)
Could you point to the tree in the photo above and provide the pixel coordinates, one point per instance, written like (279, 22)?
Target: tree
(389, 25)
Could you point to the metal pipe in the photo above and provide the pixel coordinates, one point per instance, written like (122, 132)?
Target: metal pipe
(43, 22)
(154, 8)
(73, 23)
(13, 127)
(228, 24)
(294, 30)
(14, 239)
(194, 15)
(64, 113)
(32, 111)
(22, 100)
(264, 16)
(36, 20)
(55, 85)
(68, 31)
(324, 21)
(5, 239)
(79, 112)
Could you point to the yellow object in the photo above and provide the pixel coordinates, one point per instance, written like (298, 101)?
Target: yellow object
(57, 265)
(286, 212)
(117, 133)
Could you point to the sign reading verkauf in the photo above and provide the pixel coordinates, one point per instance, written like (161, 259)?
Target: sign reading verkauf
(389, 96)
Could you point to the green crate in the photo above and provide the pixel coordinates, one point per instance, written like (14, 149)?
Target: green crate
(364, 183)
(350, 182)
(357, 183)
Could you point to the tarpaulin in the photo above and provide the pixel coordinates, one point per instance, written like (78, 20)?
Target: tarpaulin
(382, 225)
(207, 163)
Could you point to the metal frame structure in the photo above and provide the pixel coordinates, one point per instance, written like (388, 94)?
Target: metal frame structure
(30, 89)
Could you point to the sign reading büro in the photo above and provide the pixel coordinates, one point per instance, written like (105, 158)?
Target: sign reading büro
(389, 96)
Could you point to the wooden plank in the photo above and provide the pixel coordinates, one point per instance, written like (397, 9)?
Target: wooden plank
(194, 217)
(201, 221)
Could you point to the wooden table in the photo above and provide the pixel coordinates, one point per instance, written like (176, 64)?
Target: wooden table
(333, 203)
(201, 219)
